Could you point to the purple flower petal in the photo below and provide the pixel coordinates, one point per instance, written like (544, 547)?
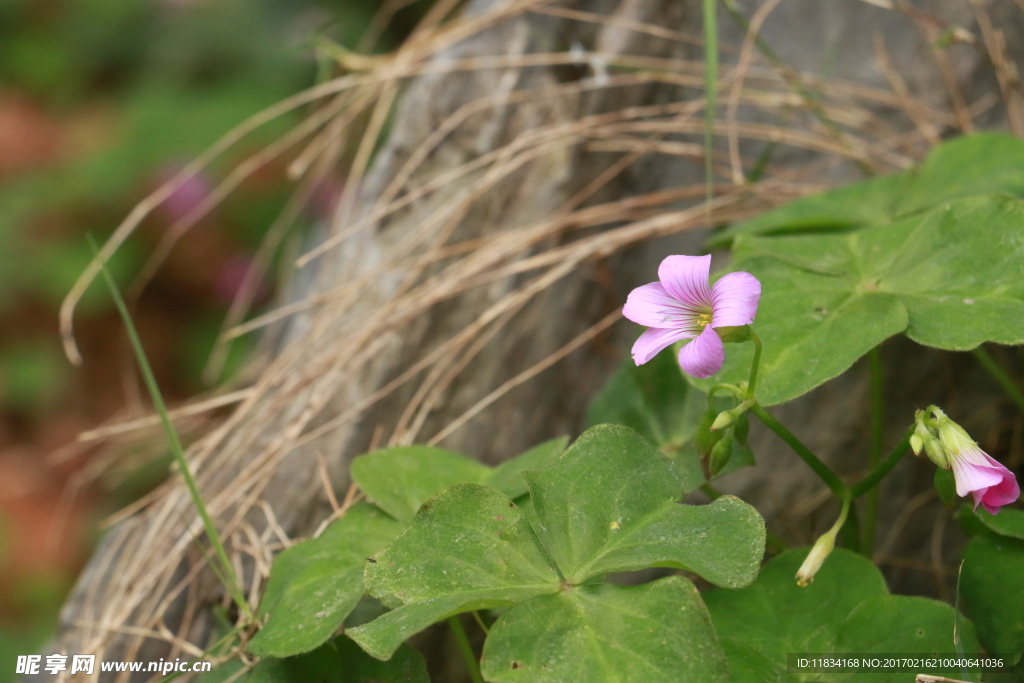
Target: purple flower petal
(1003, 493)
(654, 340)
(971, 477)
(734, 300)
(686, 279)
(652, 306)
(703, 356)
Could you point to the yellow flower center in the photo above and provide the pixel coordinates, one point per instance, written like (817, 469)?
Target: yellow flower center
(703, 320)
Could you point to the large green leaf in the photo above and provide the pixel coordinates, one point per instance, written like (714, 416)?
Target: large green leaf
(508, 477)
(992, 590)
(607, 504)
(657, 402)
(1007, 523)
(747, 665)
(985, 163)
(902, 624)
(469, 548)
(774, 616)
(847, 609)
(655, 632)
(610, 504)
(399, 480)
(854, 206)
(948, 278)
(315, 584)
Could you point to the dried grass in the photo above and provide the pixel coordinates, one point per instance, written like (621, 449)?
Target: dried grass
(427, 266)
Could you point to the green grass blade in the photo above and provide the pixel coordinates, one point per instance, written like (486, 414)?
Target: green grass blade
(226, 573)
(710, 93)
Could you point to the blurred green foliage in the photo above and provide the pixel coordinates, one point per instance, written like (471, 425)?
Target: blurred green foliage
(33, 372)
(138, 87)
(125, 92)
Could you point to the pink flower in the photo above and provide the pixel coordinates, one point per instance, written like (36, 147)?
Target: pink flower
(188, 196)
(975, 472)
(683, 306)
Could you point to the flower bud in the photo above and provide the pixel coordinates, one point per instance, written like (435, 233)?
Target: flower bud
(822, 549)
(819, 553)
(936, 453)
(720, 455)
(724, 419)
(727, 417)
(924, 437)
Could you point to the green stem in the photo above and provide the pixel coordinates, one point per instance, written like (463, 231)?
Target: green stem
(710, 93)
(465, 649)
(1000, 376)
(844, 512)
(752, 383)
(851, 528)
(869, 482)
(875, 452)
(821, 469)
(173, 441)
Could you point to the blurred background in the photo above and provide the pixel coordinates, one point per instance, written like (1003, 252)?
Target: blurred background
(100, 102)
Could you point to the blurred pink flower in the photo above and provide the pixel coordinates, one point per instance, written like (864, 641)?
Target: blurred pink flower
(326, 194)
(232, 275)
(683, 306)
(187, 196)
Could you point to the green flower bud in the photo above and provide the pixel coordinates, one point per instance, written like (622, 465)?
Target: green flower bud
(936, 453)
(819, 553)
(720, 455)
(924, 437)
(723, 420)
(822, 549)
(727, 417)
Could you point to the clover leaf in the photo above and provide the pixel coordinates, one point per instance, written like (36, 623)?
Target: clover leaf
(316, 583)
(400, 479)
(948, 278)
(847, 609)
(980, 164)
(659, 631)
(607, 504)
